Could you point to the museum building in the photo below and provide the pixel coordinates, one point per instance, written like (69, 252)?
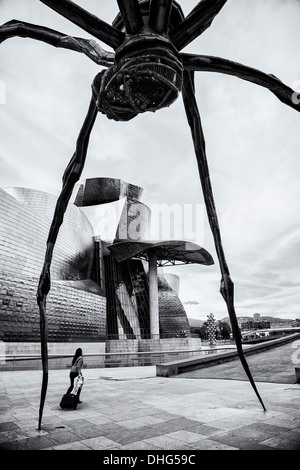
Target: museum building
(100, 271)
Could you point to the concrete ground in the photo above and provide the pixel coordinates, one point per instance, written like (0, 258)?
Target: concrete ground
(275, 365)
(126, 409)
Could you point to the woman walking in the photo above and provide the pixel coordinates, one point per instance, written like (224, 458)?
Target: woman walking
(77, 364)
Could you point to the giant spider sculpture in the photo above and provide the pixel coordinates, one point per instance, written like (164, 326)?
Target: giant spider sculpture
(145, 73)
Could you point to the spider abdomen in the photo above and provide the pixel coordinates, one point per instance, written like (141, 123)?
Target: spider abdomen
(148, 79)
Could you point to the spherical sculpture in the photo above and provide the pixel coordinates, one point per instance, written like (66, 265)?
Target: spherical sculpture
(211, 327)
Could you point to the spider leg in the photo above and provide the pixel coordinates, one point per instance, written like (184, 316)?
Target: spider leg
(159, 15)
(88, 47)
(131, 15)
(216, 64)
(85, 20)
(198, 20)
(70, 177)
(227, 287)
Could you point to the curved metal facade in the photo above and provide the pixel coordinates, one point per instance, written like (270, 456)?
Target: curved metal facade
(172, 316)
(76, 305)
(96, 191)
(93, 296)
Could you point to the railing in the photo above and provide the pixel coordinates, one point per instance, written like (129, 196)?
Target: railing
(103, 360)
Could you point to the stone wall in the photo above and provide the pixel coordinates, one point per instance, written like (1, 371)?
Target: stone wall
(149, 345)
(130, 352)
(17, 348)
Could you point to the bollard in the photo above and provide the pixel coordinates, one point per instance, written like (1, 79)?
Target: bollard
(297, 371)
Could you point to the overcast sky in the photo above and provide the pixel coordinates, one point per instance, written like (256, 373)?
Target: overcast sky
(252, 142)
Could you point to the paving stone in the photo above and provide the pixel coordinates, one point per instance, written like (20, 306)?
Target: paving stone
(63, 437)
(205, 429)
(11, 445)
(186, 414)
(147, 431)
(140, 445)
(172, 425)
(165, 442)
(293, 434)
(6, 436)
(101, 443)
(8, 426)
(241, 442)
(36, 443)
(123, 437)
(282, 443)
(109, 428)
(284, 421)
(260, 431)
(71, 446)
(185, 436)
(89, 431)
(208, 444)
(132, 423)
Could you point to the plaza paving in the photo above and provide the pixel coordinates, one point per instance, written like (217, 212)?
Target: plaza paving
(125, 409)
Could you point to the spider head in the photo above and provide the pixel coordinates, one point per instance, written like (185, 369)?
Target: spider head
(147, 76)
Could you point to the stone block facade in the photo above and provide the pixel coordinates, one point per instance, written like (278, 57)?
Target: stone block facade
(150, 345)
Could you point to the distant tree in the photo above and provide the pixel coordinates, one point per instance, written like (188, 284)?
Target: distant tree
(203, 331)
(224, 329)
(196, 331)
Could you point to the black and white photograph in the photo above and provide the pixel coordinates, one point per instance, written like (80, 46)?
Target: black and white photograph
(149, 227)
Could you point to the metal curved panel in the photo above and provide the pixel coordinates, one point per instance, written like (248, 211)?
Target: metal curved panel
(170, 251)
(103, 190)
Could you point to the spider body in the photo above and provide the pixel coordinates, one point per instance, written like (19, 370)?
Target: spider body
(147, 76)
(146, 72)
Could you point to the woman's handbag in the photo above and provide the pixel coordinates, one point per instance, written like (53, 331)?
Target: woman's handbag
(78, 383)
